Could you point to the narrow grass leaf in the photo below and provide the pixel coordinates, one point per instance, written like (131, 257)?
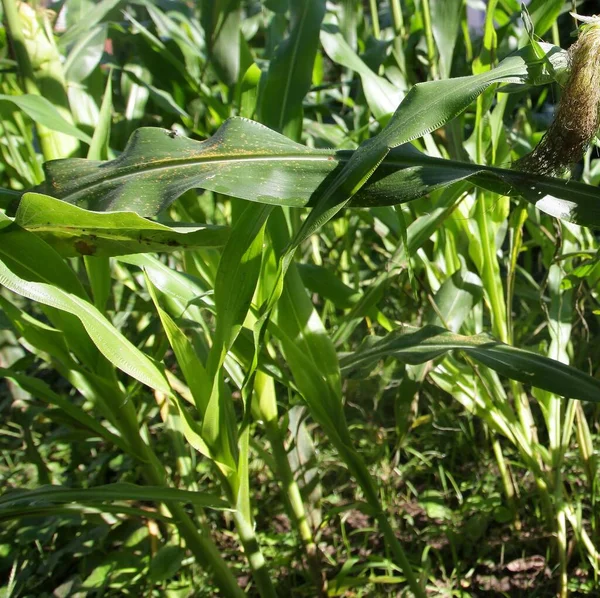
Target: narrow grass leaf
(99, 148)
(110, 492)
(75, 511)
(179, 289)
(239, 269)
(192, 368)
(40, 390)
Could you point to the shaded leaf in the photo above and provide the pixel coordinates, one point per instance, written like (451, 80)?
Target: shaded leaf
(418, 345)
(221, 20)
(109, 492)
(165, 563)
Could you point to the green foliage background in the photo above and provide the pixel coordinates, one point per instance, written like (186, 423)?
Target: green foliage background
(278, 317)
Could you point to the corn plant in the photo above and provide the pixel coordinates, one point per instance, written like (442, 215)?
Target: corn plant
(256, 255)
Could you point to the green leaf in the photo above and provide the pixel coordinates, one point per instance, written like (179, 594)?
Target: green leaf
(455, 299)
(178, 288)
(221, 20)
(381, 95)
(248, 161)
(99, 148)
(110, 492)
(43, 112)
(165, 563)
(237, 276)
(192, 368)
(17, 261)
(308, 349)
(163, 99)
(24, 253)
(75, 510)
(425, 108)
(413, 345)
(243, 159)
(85, 55)
(324, 282)
(543, 14)
(428, 106)
(445, 22)
(290, 71)
(87, 21)
(73, 231)
(235, 285)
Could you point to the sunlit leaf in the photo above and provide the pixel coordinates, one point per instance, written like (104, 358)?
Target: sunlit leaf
(73, 231)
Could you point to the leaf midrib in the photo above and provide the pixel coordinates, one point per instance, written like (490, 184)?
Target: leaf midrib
(324, 156)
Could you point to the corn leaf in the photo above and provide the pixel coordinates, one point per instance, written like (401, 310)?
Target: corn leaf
(33, 262)
(73, 231)
(290, 71)
(418, 345)
(246, 160)
(43, 112)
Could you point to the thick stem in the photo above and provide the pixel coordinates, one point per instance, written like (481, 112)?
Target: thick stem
(49, 140)
(260, 572)
(561, 541)
(237, 486)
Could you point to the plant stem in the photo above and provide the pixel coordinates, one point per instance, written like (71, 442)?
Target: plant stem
(54, 145)
(398, 19)
(295, 503)
(507, 481)
(375, 19)
(399, 35)
(431, 53)
(266, 404)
